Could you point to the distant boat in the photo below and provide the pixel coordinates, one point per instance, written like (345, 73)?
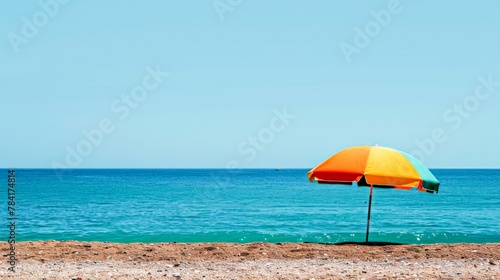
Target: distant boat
(277, 169)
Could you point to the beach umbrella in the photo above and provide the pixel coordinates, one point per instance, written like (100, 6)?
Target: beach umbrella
(375, 167)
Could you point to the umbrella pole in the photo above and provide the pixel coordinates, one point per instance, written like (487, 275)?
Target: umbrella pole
(369, 211)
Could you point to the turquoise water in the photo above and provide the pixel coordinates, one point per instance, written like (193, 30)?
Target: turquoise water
(203, 205)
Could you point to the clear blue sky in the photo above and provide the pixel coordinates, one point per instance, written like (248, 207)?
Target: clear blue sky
(228, 71)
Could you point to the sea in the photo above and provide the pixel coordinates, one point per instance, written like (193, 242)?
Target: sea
(246, 205)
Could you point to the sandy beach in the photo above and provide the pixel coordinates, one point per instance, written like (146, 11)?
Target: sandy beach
(96, 260)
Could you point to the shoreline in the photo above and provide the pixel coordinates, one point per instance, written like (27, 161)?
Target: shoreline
(101, 260)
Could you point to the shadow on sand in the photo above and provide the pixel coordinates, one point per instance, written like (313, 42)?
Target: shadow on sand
(362, 243)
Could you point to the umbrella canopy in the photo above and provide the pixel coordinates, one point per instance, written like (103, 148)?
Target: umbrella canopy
(375, 166)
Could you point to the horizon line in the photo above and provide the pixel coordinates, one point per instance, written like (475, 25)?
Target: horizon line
(219, 168)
